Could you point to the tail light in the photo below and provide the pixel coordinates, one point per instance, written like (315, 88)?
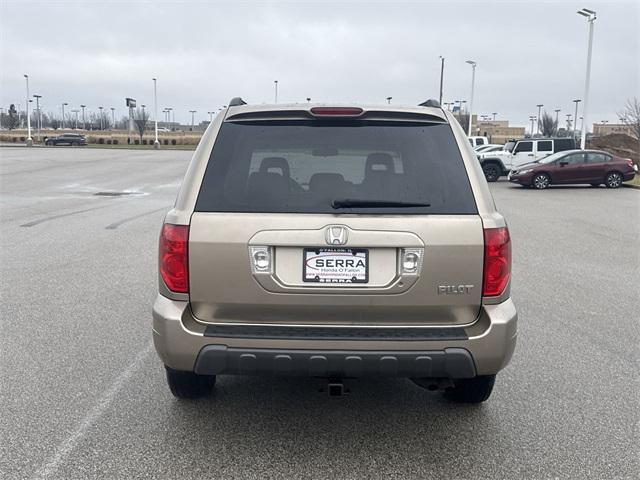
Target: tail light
(497, 261)
(174, 257)
(629, 162)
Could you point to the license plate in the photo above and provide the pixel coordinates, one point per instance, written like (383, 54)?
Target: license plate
(335, 265)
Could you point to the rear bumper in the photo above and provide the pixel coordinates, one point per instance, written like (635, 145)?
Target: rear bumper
(483, 348)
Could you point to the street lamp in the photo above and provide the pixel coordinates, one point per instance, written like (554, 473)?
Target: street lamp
(192, 112)
(75, 127)
(557, 110)
(65, 103)
(308, 99)
(539, 108)
(575, 124)
(113, 117)
(275, 82)
(441, 76)
(156, 143)
(532, 118)
(38, 97)
(473, 81)
(84, 127)
(389, 100)
(569, 121)
(29, 139)
(591, 18)
(494, 115)
(210, 116)
(101, 122)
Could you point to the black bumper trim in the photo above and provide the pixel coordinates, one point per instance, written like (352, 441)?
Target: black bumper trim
(447, 363)
(335, 333)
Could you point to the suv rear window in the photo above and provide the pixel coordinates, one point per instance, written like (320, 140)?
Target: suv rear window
(303, 166)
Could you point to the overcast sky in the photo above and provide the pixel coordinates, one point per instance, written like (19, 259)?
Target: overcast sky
(204, 53)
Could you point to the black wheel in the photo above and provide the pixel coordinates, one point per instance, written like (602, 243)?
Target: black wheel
(541, 181)
(188, 384)
(471, 390)
(595, 184)
(491, 171)
(613, 180)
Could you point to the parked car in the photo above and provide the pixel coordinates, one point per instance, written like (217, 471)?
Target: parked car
(73, 139)
(575, 166)
(520, 152)
(335, 242)
(477, 141)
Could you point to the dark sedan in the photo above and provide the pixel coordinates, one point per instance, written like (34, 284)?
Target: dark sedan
(73, 139)
(574, 167)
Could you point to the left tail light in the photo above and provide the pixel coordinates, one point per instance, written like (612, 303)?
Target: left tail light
(497, 261)
(174, 257)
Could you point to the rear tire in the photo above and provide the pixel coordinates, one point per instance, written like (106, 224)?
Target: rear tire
(491, 171)
(541, 181)
(613, 180)
(189, 385)
(471, 390)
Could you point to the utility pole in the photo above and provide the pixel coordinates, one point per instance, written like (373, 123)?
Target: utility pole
(38, 97)
(156, 143)
(29, 139)
(65, 103)
(441, 76)
(473, 82)
(575, 124)
(539, 109)
(591, 18)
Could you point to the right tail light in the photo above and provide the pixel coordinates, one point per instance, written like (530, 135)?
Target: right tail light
(497, 261)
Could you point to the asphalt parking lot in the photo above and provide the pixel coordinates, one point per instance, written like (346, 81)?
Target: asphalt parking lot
(83, 394)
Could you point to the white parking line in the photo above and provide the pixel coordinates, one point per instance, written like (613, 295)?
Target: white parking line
(51, 466)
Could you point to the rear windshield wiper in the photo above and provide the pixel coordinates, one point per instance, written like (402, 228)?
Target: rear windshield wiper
(361, 203)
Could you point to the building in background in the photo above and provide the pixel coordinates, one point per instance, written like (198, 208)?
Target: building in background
(601, 129)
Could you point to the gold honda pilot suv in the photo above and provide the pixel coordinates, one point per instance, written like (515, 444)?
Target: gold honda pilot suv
(335, 242)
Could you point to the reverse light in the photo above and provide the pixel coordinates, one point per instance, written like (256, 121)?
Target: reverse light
(411, 261)
(337, 111)
(260, 259)
(173, 257)
(497, 261)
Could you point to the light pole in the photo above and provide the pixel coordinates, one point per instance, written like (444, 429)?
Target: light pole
(192, 112)
(75, 127)
(101, 119)
(113, 117)
(591, 18)
(533, 119)
(156, 143)
(29, 139)
(462, 102)
(275, 82)
(569, 121)
(473, 81)
(210, 117)
(389, 100)
(494, 115)
(441, 76)
(539, 108)
(2, 113)
(308, 99)
(84, 126)
(557, 110)
(65, 103)
(38, 97)
(575, 124)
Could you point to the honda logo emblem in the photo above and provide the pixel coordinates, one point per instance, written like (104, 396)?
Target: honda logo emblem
(336, 235)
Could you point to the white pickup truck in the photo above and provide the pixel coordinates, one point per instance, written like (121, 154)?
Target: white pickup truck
(519, 152)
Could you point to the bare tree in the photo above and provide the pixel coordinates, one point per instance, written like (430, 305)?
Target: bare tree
(631, 116)
(548, 125)
(141, 118)
(12, 117)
